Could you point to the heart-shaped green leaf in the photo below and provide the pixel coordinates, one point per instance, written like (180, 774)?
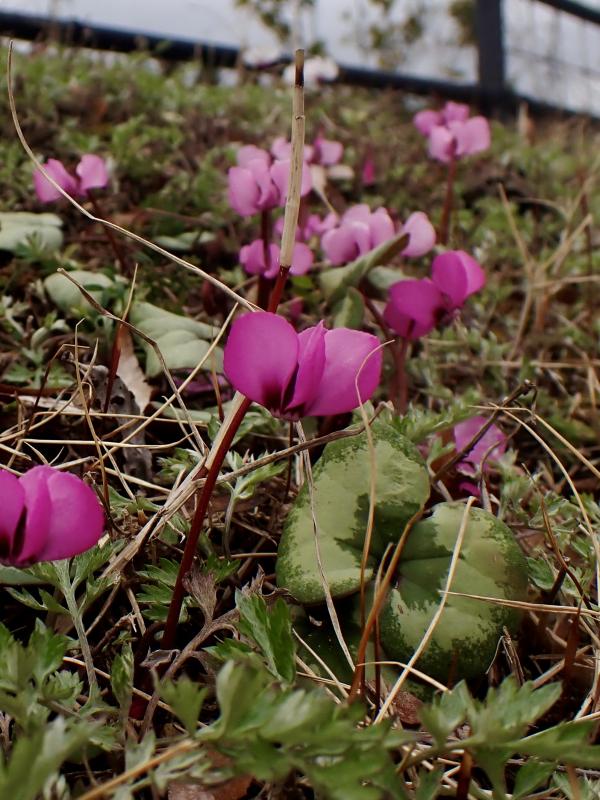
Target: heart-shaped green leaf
(341, 481)
(67, 296)
(19, 227)
(490, 564)
(183, 342)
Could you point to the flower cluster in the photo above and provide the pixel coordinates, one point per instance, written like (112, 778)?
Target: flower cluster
(359, 230)
(416, 306)
(259, 182)
(315, 372)
(256, 259)
(325, 152)
(452, 133)
(46, 515)
(90, 173)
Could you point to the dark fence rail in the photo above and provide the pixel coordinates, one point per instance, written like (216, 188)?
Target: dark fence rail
(583, 12)
(491, 92)
(491, 40)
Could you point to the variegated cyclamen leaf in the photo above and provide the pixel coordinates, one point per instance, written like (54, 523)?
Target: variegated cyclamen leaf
(491, 564)
(341, 481)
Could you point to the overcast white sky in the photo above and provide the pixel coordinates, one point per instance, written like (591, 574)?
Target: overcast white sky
(534, 32)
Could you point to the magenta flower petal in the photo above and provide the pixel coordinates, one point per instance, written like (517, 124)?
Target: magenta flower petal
(280, 175)
(490, 447)
(311, 226)
(381, 227)
(329, 222)
(455, 112)
(260, 357)
(302, 259)
(362, 236)
(12, 503)
(281, 149)
(252, 258)
(339, 245)
(457, 275)
(358, 213)
(442, 144)
(311, 363)
(327, 151)
(345, 352)
(414, 308)
(250, 153)
(424, 121)
(268, 190)
(243, 192)
(62, 516)
(77, 519)
(472, 136)
(39, 514)
(421, 235)
(45, 191)
(92, 172)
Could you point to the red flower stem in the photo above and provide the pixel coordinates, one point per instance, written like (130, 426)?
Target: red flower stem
(265, 235)
(275, 297)
(168, 639)
(231, 425)
(264, 290)
(400, 381)
(115, 245)
(448, 203)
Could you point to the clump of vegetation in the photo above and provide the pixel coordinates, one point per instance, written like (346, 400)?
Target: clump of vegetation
(347, 483)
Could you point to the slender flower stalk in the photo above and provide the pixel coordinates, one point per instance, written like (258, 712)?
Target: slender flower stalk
(400, 378)
(241, 404)
(264, 283)
(444, 230)
(452, 134)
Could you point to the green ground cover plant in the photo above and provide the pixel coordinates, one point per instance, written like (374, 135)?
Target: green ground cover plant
(366, 584)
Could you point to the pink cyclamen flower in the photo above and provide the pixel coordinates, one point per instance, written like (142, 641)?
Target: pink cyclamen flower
(451, 133)
(281, 150)
(91, 171)
(457, 275)
(425, 121)
(252, 258)
(257, 184)
(310, 225)
(296, 375)
(326, 152)
(416, 307)
(360, 230)
(46, 515)
(490, 447)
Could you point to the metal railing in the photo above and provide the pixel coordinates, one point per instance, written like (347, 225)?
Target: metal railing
(492, 91)
(494, 45)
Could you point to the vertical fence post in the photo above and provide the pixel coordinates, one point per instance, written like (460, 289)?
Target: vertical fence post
(490, 48)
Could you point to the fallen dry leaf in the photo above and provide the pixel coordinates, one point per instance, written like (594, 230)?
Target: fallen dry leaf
(131, 373)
